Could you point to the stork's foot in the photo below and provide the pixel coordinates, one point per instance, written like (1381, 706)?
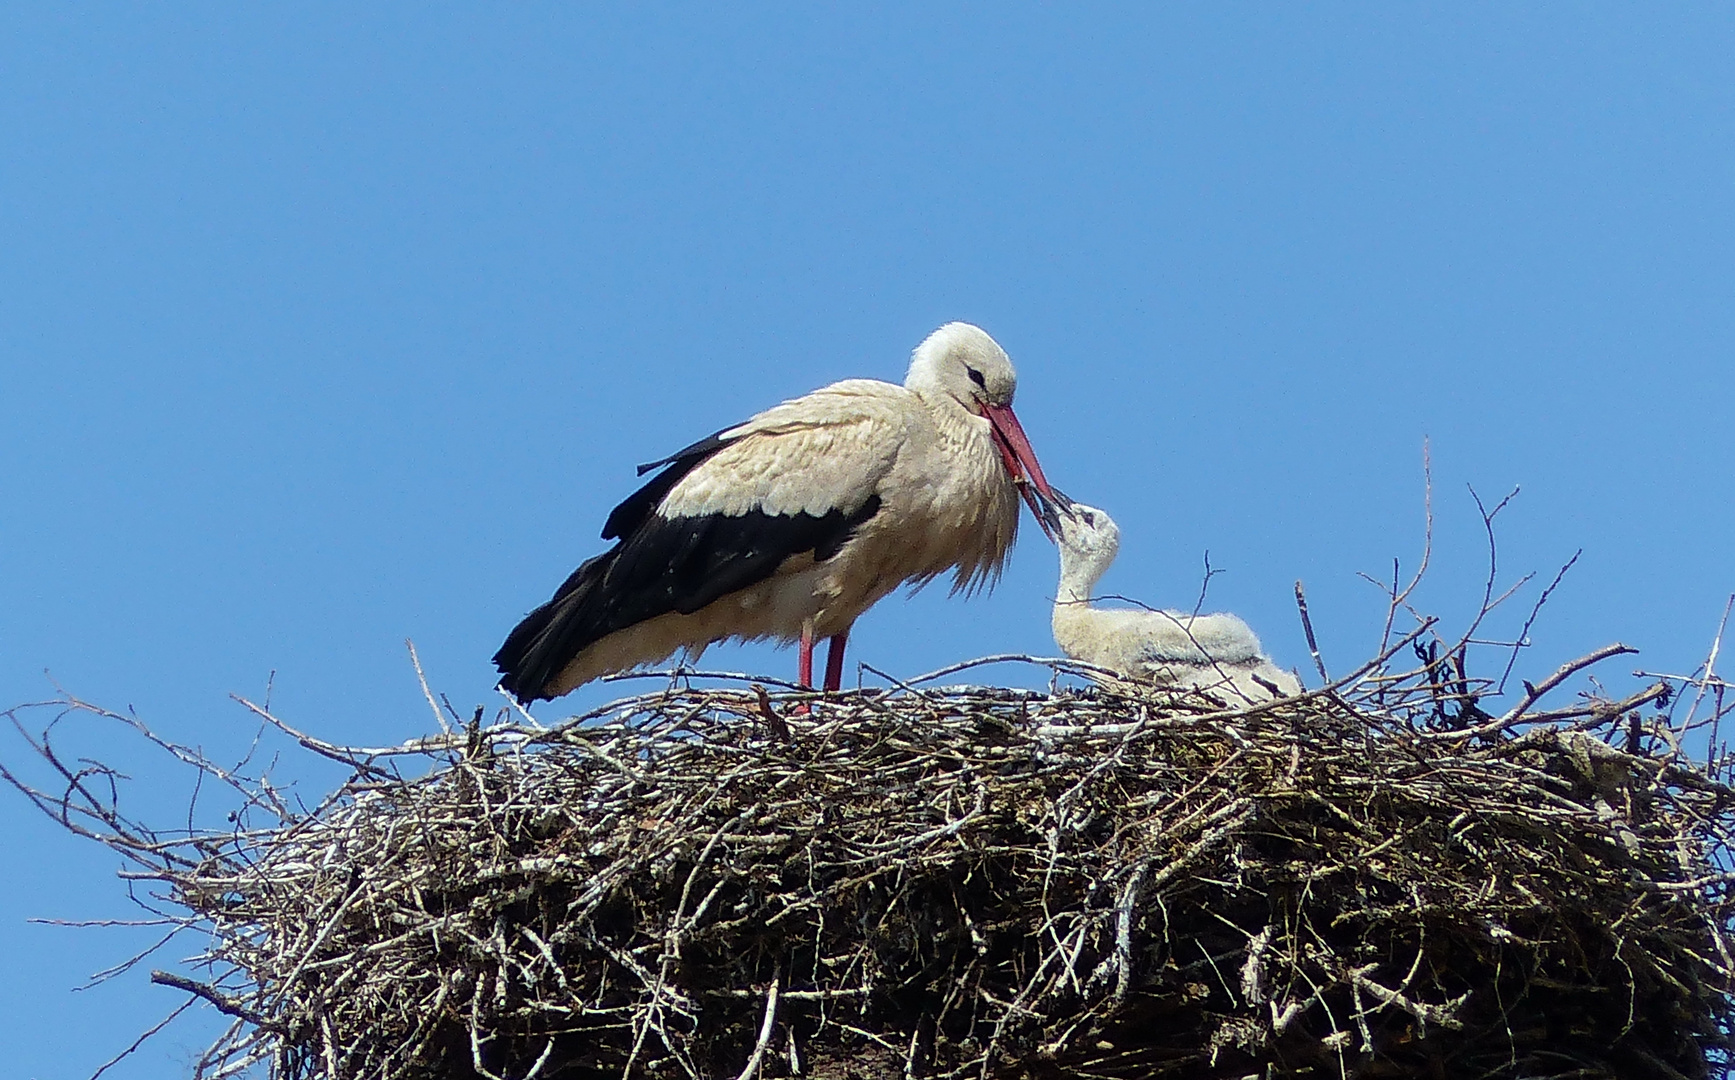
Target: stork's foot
(804, 659)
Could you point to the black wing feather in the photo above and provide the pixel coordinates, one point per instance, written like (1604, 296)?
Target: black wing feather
(664, 566)
(635, 508)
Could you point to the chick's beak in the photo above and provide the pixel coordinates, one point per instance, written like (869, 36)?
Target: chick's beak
(1052, 512)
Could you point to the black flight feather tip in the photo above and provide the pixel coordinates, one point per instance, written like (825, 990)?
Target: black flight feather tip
(661, 566)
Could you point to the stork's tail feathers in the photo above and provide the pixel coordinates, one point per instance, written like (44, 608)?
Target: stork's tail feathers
(540, 646)
(665, 566)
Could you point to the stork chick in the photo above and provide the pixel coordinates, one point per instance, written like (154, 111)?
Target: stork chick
(1216, 652)
(792, 524)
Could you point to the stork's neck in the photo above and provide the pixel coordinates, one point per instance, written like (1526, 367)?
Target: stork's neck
(940, 401)
(1078, 576)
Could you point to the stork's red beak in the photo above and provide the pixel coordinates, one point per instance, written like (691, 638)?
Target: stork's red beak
(1020, 462)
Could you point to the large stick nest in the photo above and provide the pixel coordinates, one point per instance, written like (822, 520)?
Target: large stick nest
(971, 882)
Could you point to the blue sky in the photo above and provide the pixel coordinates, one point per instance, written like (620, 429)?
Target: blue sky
(321, 328)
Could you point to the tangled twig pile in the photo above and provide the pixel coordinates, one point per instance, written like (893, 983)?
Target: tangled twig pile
(1106, 882)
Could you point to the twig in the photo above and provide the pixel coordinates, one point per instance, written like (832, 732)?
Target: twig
(1398, 598)
(223, 1002)
(1205, 583)
(1710, 664)
(1523, 637)
(1307, 628)
(140, 1041)
(1059, 663)
(422, 681)
(766, 1027)
(1561, 674)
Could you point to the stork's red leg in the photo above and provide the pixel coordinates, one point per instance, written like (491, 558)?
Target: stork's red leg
(804, 665)
(834, 661)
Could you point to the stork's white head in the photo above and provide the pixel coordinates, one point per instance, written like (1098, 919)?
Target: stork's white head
(961, 362)
(1089, 541)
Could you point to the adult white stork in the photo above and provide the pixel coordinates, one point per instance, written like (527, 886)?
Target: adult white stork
(1173, 648)
(792, 524)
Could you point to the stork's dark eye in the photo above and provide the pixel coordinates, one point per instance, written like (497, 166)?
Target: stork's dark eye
(1089, 518)
(976, 377)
